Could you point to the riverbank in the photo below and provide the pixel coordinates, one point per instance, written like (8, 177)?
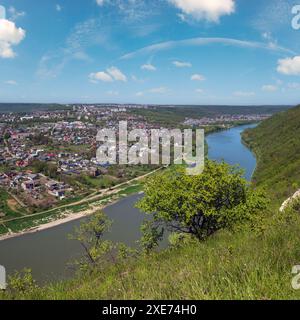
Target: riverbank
(69, 218)
(74, 211)
(47, 250)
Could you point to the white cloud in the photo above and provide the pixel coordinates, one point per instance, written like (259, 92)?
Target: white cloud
(139, 94)
(160, 90)
(148, 67)
(181, 64)
(58, 7)
(197, 77)
(117, 74)
(86, 34)
(269, 88)
(129, 11)
(11, 82)
(100, 2)
(195, 42)
(110, 75)
(199, 90)
(10, 35)
(289, 66)
(14, 14)
(100, 76)
(182, 17)
(244, 93)
(210, 10)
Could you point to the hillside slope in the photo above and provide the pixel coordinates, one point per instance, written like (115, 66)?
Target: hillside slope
(251, 263)
(276, 144)
(244, 265)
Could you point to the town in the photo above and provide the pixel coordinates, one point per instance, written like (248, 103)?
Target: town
(48, 157)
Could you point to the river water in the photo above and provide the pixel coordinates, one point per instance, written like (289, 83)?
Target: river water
(48, 253)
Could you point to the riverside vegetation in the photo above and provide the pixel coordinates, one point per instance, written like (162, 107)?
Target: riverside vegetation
(231, 242)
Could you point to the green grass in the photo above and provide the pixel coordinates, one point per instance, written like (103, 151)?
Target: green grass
(3, 229)
(241, 265)
(30, 222)
(277, 146)
(4, 208)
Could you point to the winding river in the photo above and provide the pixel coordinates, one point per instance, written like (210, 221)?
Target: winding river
(48, 253)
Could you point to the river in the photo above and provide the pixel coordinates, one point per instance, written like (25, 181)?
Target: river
(48, 253)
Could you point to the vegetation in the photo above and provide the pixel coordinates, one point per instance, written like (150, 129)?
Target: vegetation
(90, 235)
(172, 116)
(203, 204)
(252, 261)
(277, 147)
(49, 169)
(29, 107)
(5, 209)
(250, 264)
(18, 222)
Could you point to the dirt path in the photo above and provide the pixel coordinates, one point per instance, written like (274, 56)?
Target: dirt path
(92, 197)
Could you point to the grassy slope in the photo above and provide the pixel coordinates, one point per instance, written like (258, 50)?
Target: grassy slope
(241, 265)
(277, 146)
(227, 266)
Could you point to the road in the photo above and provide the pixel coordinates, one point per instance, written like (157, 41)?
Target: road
(92, 197)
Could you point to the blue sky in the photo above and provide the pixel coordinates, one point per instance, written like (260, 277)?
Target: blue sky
(141, 51)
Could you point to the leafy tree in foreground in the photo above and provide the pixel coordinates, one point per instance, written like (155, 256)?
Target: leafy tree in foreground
(99, 252)
(90, 235)
(201, 205)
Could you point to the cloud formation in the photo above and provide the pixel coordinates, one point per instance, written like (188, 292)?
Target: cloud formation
(10, 36)
(289, 66)
(196, 42)
(269, 88)
(160, 90)
(110, 75)
(210, 10)
(148, 67)
(14, 14)
(58, 7)
(100, 2)
(11, 82)
(181, 64)
(197, 77)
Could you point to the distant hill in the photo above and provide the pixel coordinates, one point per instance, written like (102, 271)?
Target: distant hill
(177, 114)
(276, 143)
(29, 107)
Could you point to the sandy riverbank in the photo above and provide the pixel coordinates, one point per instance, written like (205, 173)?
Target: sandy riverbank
(66, 219)
(55, 223)
(76, 216)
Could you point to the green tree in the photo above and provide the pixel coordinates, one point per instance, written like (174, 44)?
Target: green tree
(152, 234)
(7, 136)
(90, 235)
(21, 283)
(201, 205)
